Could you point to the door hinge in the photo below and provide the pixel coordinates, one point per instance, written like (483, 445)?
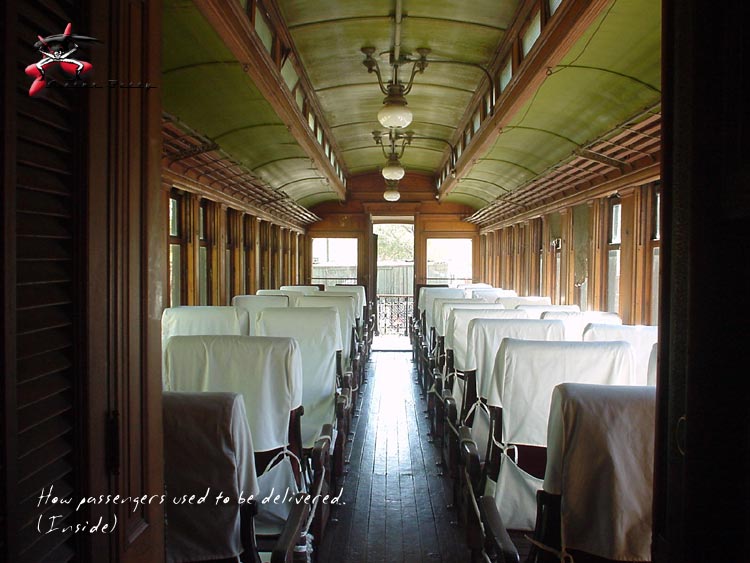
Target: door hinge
(113, 443)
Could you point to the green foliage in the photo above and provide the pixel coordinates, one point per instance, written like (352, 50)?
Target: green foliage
(395, 242)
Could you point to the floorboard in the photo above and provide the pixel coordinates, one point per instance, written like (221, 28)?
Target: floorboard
(395, 498)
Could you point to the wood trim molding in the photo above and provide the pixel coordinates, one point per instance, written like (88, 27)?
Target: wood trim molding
(231, 23)
(638, 177)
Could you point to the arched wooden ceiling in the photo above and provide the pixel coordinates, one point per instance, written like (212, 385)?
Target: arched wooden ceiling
(607, 74)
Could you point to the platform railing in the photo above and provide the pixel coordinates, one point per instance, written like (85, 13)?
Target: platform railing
(393, 313)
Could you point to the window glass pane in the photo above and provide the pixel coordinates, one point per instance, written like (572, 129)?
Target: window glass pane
(175, 278)
(202, 222)
(203, 276)
(531, 33)
(553, 5)
(319, 136)
(613, 281)
(581, 227)
(174, 217)
(449, 261)
(655, 286)
(505, 75)
(615, 224)
(299, 96)
(334, 260)
(263, 31)
(289, 74)
(558, 273)
(657, 216)
(311, 120)
(477, 121)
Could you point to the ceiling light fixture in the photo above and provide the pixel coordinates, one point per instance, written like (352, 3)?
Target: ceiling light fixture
(393, 169)
(391, 193)
(394, 114)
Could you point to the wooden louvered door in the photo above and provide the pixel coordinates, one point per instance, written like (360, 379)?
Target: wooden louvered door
(82, 271)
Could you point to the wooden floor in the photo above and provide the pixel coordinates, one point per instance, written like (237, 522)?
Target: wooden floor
(394, 493)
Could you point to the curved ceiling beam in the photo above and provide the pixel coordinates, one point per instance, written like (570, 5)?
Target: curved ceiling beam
(363, 19)
(429, 84)
(608, 71)
(269, 162)
(466, 180)
(537, 129)
(247, 127)
(307, 179)
(529, 170)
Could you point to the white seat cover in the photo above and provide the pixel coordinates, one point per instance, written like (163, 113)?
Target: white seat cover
(428, 294)
(255, 303)
(536, 311)
(475, 305)
(203, 320)
(439, 314)
(293, 296)
(653, 364)
(318, 332)
(489, 295)
(267, 372)
(358, 289)
(345, 305)
(306, 289)
(457, 329)
(600, 457)
(641, 338)
(212, 428)
(525, 374)
(478, 285)
(485, 336)
(575, 322)
(513, 302)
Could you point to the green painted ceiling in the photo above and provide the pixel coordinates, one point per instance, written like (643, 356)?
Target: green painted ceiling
(205, 87)
(329, 35)
(611, 74)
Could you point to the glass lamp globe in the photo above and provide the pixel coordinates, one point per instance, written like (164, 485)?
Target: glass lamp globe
(393, 169)
(395, 115)
(391, 195)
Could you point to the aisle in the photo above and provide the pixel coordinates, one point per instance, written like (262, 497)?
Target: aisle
(395, 497)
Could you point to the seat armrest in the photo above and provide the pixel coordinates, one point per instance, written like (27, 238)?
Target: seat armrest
(451, 411)
(283, 551)
(495, 532)
(469, 458)
(343, 402)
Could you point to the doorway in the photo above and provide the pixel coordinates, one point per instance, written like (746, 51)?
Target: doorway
(395, 283)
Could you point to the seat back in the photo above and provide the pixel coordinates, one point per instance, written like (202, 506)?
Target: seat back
(256, 303)
(653, 364)
(486, 335)
(641, 338)
(440, 313)
(202, 320)
(345, 304)
(212, 428)
(536, 311)
(489, 295)
(600, 460)
(511, 302)
(293, 296)
(318, 332)
(457, 328)
(575, 322)
(306, 289)
(267, 372)
(525, 374)
(428, 296)
(359, 290)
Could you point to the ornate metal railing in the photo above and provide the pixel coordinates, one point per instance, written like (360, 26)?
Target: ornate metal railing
(393, 313)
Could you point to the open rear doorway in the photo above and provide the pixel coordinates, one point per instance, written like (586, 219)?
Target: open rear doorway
(395, 283)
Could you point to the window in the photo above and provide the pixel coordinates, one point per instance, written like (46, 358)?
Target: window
(177, 249)
(531, 33)
(263, 30)
(204, 254)
(505, 75)
(449, 260)
(334, 260)
(553, 6)
(613, 255)
(289, 74)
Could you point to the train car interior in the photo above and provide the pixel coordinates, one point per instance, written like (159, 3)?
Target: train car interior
(374, 281)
